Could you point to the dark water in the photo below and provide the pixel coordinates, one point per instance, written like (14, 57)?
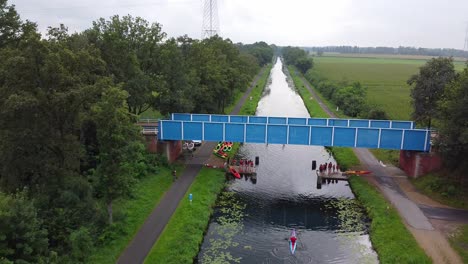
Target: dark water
(256, 217)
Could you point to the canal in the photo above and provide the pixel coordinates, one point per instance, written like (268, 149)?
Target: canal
(255, 217)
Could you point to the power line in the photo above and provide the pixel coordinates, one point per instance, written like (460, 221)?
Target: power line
(210, 19)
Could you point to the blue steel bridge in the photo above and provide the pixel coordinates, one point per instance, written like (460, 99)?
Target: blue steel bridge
(355, 133)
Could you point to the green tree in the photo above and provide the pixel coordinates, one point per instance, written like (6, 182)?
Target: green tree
(429, 85)
(130, 47)
(22, 236)
(452, 123)
(119, 147)
(304, 64)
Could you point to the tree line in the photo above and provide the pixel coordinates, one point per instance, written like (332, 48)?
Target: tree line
(439, 96)
(350, 97)
(69, 145)
(391, 51)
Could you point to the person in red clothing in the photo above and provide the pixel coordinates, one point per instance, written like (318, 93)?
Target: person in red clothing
(293, 239)
(329, 166)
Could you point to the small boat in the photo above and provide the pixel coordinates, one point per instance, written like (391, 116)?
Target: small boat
(293, 242)
(234, 172)
(357, 172)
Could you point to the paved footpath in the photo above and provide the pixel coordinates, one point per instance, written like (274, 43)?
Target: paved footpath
(416, 216)
(150, 231)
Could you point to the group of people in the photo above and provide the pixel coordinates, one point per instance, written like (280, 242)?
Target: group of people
(245, 165)
(330, 167)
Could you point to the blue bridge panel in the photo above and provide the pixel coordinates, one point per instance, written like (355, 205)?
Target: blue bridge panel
(344, 137)
(402, 124)
(391, 138)
(321, 136)
(172, 130)
(256, 133)
(338, 122)
(181, 117)
(299, 135)
(415, 139)
(317, 121)
(380, 123)
(205, 118)
(368, 138)
(277, 134)
(277, 120)
(234, 132)
(258, 119)
(282, 130)
(297, 121)
(213, 131)
(193, 130)
(358, 123)
(239, 119)
(219, 118)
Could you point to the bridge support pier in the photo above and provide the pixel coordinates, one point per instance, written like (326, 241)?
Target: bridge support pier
(171, 149)
(416, 163)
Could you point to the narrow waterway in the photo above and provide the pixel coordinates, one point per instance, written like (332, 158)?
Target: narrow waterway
(255, 218)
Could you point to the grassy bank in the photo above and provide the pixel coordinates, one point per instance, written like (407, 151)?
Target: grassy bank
(136, 210)
(443, 189)
(389, 236)
(181, 239)
(387, 155)
(459, 241)
(250, 106)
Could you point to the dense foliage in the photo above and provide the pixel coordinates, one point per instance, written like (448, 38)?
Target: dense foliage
(68, 105)
(391, 51)
(428, 88)
(297, 57)
(452, 124)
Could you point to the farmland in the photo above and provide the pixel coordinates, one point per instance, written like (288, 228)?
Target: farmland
(384, 77)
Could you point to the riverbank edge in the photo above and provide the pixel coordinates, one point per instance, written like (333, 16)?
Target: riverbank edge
(174, 247)
(381, 233)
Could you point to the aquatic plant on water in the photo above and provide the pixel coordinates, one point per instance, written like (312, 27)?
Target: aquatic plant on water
(229, 224)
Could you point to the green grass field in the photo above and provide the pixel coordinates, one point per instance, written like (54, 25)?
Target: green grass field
(385, 79)
(459, 241)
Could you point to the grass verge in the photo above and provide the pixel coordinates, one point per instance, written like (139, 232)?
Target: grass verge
(250, 106)
(459, 241)
(387, 156)
(389, 236)
(181, 239)
(345, 157)
(150, 190)
(442, 189)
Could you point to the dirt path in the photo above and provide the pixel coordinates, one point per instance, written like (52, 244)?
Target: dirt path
(396, 188)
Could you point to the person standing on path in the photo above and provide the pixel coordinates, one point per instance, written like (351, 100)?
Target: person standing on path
(174, 175)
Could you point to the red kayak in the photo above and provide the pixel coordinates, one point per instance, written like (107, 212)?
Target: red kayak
(357, 172)
(234, 172)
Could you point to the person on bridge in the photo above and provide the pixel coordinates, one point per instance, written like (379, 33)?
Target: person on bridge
(333, 167)
(329, 166)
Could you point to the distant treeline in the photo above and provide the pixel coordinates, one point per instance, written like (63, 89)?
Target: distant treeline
(391, 51)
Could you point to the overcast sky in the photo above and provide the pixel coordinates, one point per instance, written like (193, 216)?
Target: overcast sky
(418, 23)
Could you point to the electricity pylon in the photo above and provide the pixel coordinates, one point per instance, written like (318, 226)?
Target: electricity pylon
(210, 19)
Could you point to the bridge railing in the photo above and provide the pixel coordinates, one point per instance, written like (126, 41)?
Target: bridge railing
(361, 137)
(329, 122)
